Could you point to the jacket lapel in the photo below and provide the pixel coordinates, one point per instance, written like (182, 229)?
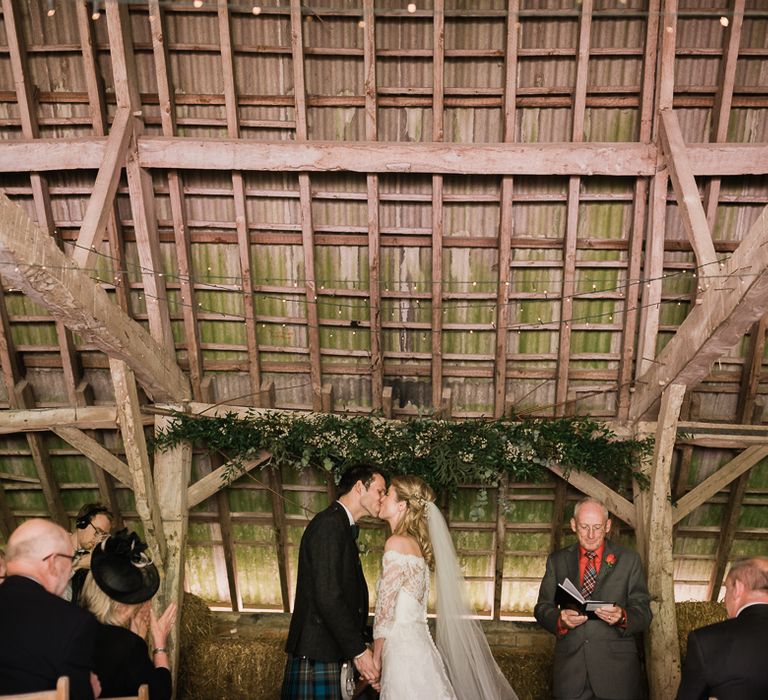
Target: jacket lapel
(572, 565)
(605, 569)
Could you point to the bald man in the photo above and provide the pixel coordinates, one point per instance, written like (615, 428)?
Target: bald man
(42, 636)
(727, 660)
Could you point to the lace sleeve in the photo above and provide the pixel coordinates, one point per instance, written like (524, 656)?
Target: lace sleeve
(393, 575)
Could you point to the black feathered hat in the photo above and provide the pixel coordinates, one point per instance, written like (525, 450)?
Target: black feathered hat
(122, 570)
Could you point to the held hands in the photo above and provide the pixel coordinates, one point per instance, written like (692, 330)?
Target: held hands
(368, 667)
(611, 614)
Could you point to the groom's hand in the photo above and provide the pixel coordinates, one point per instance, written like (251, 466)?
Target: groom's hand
(366, 666)
(571, 619)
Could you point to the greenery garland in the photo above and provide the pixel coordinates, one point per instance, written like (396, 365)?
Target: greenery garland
(443, 453)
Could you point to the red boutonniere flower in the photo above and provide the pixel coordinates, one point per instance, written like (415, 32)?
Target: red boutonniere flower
(610, 560)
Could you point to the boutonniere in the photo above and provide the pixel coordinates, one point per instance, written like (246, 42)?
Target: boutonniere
(610, 561)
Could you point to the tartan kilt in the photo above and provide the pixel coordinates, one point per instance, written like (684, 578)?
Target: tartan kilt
(307, 679)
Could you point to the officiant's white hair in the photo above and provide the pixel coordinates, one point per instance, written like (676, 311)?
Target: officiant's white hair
(589, 499)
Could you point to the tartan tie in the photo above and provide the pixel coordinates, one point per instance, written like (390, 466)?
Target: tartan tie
(590, 575)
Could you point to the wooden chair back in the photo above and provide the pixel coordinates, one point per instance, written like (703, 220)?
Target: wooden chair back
(60, 693)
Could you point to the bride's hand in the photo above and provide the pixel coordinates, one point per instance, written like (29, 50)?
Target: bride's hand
(365, 664)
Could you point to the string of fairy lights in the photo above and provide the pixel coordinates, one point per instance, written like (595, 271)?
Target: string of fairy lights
(328, 299)
(620, 9)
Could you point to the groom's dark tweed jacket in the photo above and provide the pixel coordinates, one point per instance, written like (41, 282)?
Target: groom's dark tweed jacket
(331, 607)
(606, 654)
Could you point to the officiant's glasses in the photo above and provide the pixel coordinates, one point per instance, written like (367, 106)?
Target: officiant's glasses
(594, 529)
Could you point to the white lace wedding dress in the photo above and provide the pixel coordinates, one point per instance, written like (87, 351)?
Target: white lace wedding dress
(411, 666)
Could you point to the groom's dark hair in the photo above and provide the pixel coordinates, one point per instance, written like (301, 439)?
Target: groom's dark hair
(355, 473)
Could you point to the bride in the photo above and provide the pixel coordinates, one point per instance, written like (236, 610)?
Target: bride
(461, 665)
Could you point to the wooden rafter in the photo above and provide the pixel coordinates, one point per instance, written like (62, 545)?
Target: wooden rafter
(719, 480)
(572, 214)
(101, 202)
(687, 193)
(438, 212)
(654, 262)
(634, 286)
(715, 325)
(35, 265)
(724, 98)
(139, 180)
(176, 197)
(97, 453)
(305, 199)
(135, 446)
(372, 185)
(506, 218)
(213, 482)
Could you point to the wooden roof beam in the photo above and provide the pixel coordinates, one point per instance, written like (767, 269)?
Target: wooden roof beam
(35, 265)
(97, 453)
(216, 480)
(241, 208)
(716, 482)
(506, 217)
(140, 186)
(687, 193)
(619, 159)
(101, 202)
(176, 196)
(136, 455)
(724, 315)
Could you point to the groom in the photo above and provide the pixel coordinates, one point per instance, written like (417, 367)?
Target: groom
(330, 612)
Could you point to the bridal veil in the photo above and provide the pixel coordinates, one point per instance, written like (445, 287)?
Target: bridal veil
(471, 667)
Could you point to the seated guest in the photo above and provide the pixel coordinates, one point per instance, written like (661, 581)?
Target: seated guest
(117, 590)
(92, 524)
(42, 636)
(727, 660)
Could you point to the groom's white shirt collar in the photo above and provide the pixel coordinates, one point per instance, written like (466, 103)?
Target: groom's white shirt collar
(349, 515)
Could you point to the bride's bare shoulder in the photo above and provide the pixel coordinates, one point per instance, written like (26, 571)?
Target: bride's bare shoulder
(403, 544)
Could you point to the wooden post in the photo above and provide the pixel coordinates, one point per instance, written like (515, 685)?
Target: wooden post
(172, 475)
(663, 651)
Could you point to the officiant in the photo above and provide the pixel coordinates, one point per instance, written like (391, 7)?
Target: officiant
(597, 656)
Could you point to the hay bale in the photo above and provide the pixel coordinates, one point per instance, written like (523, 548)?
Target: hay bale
(691, 615)
(222, 669)
(196, 621)
(528, 672)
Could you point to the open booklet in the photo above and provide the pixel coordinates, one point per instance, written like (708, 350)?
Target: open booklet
(568, 596)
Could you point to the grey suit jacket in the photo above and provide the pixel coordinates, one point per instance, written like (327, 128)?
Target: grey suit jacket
(606, 655)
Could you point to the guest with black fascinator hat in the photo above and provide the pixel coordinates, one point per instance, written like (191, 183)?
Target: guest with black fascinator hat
(117, 591)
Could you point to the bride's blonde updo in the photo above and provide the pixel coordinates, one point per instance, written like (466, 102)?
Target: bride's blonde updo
(416, 494)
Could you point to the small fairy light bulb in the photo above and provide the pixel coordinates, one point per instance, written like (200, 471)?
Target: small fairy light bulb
(198, 4)
(411, 7)
(256, 10)
(51, 9)
(361, 24)
(724, 21)
(96, 12)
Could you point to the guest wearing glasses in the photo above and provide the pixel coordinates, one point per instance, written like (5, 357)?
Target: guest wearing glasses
(596, 656)
(42, 636)
(93, 523)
